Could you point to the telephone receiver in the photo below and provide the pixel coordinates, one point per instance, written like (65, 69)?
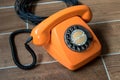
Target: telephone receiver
(67, 37)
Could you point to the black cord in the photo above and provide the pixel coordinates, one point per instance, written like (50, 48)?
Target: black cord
(24, 9)
(14, 50)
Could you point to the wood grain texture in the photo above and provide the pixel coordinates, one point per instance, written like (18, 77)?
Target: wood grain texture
(10, 21)
(109, 36)
(5, 53)
(55, 71)
(108, 33)
(102, 10)
(4, 3)
(113, 65)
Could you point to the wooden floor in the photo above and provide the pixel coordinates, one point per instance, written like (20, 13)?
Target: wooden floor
(105, 24)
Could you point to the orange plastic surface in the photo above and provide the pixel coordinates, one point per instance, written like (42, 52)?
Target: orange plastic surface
(50, 34)
(41, 33)
(59, 50)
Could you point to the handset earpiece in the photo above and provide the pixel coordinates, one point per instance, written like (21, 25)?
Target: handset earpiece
(41, 33)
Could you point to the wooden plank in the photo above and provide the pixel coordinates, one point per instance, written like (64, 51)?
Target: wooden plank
(5, 3)
(5, 53)
(10, 21)
(55, 71)
(102, 10)
(113, 65)
(108, 34)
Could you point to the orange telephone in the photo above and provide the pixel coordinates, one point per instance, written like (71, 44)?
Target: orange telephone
(67, 37)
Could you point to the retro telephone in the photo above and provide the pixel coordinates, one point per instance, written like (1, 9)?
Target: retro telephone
(67, 37)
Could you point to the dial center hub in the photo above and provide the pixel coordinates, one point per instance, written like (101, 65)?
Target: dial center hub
(78, 37)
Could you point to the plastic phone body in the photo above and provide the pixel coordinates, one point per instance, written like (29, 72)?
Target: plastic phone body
(54, 34)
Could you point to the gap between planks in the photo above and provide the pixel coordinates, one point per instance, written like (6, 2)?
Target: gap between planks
(10, 67)
(54, 61)
(105, 67)
(27, 27)
(49, 62)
